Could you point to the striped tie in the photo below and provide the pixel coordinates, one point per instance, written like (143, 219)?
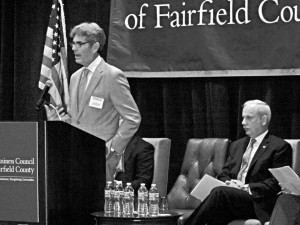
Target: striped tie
(82, 85)
(246, 157)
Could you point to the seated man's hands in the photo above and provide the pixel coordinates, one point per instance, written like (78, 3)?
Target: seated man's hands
(239, 185)
(284, 189)
(235, 184)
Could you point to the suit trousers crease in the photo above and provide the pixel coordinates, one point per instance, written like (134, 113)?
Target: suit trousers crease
(223, 205)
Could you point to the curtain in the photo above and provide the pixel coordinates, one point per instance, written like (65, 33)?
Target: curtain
(212, 107)
(177, 108)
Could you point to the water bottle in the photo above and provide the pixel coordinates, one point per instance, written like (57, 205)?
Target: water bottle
(164, 205)
(153, 201)
(118, 198)
(142, 200)
(128, 200)
(108, 205)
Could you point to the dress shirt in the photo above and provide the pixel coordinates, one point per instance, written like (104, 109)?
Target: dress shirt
(258, 139)
(92, 67)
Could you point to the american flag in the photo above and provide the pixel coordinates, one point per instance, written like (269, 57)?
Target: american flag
(54, 65)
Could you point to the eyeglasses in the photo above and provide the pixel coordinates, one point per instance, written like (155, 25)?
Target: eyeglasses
(79, 44)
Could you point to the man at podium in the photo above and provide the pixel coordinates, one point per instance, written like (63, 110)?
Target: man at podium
(100, 96)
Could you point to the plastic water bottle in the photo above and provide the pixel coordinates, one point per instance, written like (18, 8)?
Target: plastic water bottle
(128, 200)
(153, 201)
(142, 200)
(108, 205)
(118, 198)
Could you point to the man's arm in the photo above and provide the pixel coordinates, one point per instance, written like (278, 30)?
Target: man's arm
(282, 157)
(131, 119)
(226, 174)
(128, 110)
(144, 167)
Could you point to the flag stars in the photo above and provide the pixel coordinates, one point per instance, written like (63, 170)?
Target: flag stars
(54, 57)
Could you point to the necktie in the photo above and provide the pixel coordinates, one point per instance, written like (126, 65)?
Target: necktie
(245, 161)
(82, 85)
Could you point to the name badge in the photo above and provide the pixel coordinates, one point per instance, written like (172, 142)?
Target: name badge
(96, 102)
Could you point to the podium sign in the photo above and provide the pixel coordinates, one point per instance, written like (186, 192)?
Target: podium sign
(51, 173)
(19, 172)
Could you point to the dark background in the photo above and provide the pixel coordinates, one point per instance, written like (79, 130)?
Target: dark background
(179, 109)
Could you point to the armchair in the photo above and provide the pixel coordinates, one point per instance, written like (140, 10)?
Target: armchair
(161, 162)
(202, 156)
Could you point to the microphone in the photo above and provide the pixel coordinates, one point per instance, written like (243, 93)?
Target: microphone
(40, 103)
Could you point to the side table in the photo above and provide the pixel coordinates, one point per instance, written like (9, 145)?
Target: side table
(168, 218)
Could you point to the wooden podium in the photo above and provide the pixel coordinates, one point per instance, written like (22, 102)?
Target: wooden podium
(51, 173)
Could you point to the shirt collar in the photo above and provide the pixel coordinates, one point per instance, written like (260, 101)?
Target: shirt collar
(92, 67)
(260, 138)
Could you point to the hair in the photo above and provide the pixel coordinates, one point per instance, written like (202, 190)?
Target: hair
(262, 108)
(92, 31)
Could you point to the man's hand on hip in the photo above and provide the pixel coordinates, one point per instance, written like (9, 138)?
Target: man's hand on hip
(112, 160)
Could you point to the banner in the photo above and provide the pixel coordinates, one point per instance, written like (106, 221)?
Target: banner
(195, 38)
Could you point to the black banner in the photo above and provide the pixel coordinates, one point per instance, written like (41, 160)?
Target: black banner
(205, 37)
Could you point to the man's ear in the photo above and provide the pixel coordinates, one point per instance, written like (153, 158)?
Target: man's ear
(264, 120)
(96, 46)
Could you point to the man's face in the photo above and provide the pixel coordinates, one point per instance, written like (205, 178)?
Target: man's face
(85, 54)
(252, 121)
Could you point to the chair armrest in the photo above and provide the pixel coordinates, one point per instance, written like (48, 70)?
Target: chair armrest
(185, 215)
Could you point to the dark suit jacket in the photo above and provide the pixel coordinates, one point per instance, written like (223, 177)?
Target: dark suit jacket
(138, 163)
(273, 152)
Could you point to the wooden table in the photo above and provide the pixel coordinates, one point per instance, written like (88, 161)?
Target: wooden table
(168, 218)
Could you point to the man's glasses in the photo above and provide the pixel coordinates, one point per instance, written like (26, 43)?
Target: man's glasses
(79, 44)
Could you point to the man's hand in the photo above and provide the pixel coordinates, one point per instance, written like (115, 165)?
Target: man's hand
(112, 160)
(235, 184)
(284, 189)
(53, 116)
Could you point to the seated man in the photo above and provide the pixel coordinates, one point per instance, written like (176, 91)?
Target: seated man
(138, 163)
(287, 208)
(251, 190)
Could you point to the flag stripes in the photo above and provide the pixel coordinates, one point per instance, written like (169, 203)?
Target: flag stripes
(54, 63)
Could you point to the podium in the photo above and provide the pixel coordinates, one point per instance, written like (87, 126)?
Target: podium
(51, 173)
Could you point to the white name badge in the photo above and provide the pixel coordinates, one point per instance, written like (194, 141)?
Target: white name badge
(96, 102)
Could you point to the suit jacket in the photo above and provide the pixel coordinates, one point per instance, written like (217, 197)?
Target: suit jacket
(138, 163)
(110, 86)
(273, 152)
